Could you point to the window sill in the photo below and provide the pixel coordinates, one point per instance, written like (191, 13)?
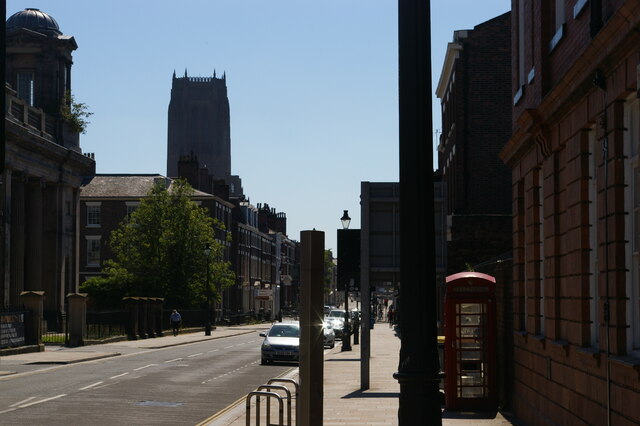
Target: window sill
(556, 38)
(539, 341)
(627, 364)
(93, 226)
(559, 348)
(589, 356)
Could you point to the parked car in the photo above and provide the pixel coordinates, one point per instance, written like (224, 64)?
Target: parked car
(281, 343)
(329, 335)
(327, 309)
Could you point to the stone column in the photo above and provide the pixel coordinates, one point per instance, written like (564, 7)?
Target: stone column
(77, 318)
(33, 301)
(131, 306)
(142, 317)
(151, 317)
(159, 303)
(16, 236)
(33, 250)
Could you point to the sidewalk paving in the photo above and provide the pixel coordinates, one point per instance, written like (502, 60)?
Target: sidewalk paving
(343, 401)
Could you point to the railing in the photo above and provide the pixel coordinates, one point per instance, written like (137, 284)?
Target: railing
(106, 324)
(54, 327)
(34, 117)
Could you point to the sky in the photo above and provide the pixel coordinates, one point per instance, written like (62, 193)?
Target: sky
(312, 86)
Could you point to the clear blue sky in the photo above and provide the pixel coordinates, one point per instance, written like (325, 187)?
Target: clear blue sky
(312, 88)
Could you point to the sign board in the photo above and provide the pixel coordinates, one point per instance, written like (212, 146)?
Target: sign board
(11, 330)
(263, 293)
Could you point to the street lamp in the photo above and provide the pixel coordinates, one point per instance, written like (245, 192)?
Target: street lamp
(207, 327)
(346, 332)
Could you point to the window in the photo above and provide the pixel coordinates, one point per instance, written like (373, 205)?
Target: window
(25, 87)
(558, 21)
(593, 240)
(132, 206)
(93, 250)
(93, 214)
(632, 221)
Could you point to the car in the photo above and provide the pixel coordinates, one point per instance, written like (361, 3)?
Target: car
(281, 343)
(336, 319)
(329, 335)
(327, 309)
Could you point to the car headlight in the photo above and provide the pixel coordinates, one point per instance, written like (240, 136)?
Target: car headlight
(266, 346)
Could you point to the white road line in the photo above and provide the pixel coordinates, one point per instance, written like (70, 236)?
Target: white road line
(191, 356)
(43, 400)
(23, 401)
(119, 375)
(215, 350)
(91, 385)
(227, 347)
(171, 360)
(9, 410)
(142, 368)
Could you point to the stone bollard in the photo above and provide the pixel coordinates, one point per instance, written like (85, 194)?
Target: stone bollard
(157, 308)
(33, 302)
(77, 318)
(151, 317)
(142, 317)
(131, 306)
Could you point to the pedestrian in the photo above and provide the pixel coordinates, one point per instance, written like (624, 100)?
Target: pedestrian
(175, 320)
(390, 315)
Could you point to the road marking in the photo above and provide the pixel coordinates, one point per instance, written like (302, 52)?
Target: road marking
(119, 375)
(23, 401)
(215, 350)
(9, 410)
(171, 360)
(142, 368)
(191, 356)
(91, 385)
(227, 347)
(43, 400)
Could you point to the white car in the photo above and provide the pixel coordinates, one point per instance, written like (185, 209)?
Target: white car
(336, 320)
(329, 335)
(281, 343)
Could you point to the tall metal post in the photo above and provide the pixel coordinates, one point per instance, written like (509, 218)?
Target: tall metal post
(346, 333)
(207, 327)
(418, 368)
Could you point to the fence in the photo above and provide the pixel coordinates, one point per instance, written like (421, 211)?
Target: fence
(106, 324)
(54, 327)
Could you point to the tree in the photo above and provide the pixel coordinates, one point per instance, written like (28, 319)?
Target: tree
(329, 268)
(159, 252)
(75, 113)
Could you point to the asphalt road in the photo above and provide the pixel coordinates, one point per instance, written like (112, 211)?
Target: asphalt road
(179, 385)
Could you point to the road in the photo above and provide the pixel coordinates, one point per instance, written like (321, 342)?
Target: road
(176, 385)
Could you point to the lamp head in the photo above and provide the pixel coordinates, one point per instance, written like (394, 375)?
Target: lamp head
(346, 220)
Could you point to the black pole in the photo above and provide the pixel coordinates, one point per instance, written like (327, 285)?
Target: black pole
(346, 336)
(418, 368)
(207, 327)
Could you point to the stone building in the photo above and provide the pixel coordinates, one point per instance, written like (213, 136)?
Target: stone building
(199, 125)
(576, 196)
(44, 165)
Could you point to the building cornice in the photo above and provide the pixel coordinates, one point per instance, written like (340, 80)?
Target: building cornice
(453, 52)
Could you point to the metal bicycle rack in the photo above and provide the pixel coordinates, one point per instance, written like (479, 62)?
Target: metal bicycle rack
(274, 388)
(267, 391)
(268, 395)
(297, 387)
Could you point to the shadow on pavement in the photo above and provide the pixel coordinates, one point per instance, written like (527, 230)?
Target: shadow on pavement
(364, 394)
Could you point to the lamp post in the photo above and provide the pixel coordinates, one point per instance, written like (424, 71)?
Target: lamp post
(346, 332)
(207, 327)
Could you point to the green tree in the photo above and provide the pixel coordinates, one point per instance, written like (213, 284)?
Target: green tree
(159, 252)
(75, 113)
(329, 267)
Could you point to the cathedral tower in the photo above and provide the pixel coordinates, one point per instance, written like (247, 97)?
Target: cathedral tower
(199, 124)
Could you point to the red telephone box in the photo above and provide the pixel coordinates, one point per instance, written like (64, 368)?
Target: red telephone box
(470, 342)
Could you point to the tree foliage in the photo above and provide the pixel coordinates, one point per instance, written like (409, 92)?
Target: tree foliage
(159, 252)
(75, 113)
(329, 267)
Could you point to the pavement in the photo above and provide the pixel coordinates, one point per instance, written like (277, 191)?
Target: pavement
(343, 401)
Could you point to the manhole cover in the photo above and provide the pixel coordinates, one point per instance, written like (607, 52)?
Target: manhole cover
(159, 404)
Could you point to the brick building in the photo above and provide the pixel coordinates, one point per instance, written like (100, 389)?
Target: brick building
(476, 117)
(576, 216)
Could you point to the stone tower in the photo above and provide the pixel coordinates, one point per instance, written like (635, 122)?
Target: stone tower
(199, 124)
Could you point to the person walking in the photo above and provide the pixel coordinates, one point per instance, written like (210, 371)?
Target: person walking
(175, 320)
(390, 315)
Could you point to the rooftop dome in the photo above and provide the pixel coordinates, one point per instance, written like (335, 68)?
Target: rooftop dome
(35, 20)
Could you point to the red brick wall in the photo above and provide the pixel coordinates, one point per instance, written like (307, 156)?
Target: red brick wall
(559, 378)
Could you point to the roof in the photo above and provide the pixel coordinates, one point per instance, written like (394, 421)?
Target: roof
(35, 20)
(127, 186)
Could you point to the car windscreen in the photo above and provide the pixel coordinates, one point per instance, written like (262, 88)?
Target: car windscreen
(282, 330)
(337, 314)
